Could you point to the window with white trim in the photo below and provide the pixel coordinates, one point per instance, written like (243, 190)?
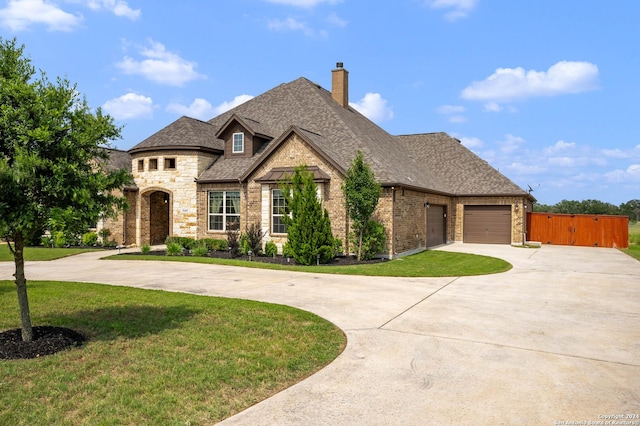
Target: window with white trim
(224, 210)
(238, 142)
(277, 211)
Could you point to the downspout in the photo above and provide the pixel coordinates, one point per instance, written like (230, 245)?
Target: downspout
(393, 221)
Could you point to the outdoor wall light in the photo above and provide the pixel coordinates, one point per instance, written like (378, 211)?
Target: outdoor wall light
(427, 205)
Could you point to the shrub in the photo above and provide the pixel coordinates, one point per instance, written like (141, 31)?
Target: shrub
(233, 239)
(185, 242)
(254, 237)
(373, 240)
(215, 244)
(59, 239)
(200, 250)
(286, 250)
(243, 244)
(90, 239)
(270, 249)
(145, 249)
(46, 240)
(105, 233)
(174, 249)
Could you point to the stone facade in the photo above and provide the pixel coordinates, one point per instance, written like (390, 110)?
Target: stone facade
(167, 177)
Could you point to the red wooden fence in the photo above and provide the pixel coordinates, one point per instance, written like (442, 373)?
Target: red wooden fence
(578, 229)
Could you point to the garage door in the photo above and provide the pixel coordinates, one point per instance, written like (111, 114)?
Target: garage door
(435, 226)
(487, 224)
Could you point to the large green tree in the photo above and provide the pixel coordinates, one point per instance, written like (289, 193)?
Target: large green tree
(53, 149)
(309, 234)
(361, 191)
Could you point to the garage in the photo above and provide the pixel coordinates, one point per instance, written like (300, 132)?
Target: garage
(487, 224)
(436, 225)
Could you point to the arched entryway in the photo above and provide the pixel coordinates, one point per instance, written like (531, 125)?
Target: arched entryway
(156, 209)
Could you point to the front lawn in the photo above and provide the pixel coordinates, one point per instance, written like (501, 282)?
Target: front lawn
(429, 263)
(41, 253)
(156, 357)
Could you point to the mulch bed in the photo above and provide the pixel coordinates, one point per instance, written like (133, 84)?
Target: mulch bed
(280, 260)
(47, 340)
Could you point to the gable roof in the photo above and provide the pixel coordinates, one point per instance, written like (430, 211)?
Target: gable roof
(183, 134)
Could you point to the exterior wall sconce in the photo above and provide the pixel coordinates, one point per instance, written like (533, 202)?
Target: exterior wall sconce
(517, 207)
(166, 198)
(427, 205)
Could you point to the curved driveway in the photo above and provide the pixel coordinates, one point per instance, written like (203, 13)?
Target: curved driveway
(553, 341)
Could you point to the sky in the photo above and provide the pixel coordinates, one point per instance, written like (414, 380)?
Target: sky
(545, 91)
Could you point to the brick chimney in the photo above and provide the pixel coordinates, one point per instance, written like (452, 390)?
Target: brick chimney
(340, 85)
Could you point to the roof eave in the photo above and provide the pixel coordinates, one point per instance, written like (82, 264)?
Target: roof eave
(176, 148)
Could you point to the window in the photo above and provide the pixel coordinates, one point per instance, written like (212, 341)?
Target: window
(277, 211)
(224, 209)
(141, 165)
(153, 164)
(169, 163)
(238, 142)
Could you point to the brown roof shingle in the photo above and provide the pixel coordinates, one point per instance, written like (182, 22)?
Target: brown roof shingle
(432, 162)
(184, 133)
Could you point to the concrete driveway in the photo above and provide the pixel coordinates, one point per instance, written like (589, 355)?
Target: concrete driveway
(553, 341)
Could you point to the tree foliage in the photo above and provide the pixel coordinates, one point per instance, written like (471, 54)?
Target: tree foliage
(361, 191)
(631, 208)
(53, 152)
(308, 225)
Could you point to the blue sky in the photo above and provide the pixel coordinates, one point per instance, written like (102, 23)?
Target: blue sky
(545, 91)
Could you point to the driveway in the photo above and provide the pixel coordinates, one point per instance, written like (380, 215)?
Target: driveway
(555, 340)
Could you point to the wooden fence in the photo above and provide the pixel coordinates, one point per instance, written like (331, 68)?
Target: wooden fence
(578, 229)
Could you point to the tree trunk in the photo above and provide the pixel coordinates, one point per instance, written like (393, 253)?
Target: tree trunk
(360, 243)
(21, 284)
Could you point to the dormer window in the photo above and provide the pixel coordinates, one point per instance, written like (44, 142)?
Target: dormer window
(238, 143)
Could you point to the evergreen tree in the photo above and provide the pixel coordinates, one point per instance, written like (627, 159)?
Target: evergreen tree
(308, 225)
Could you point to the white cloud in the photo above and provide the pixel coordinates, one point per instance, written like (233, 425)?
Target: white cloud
(460, 8)
(450, 109)
(288, 24)
(511, 143)
(130, 105)
(615, 153)
(203, 110)
(160, 66)
(20, 14)
(457, 119)
(303, 3)
(507, 84)
(374, 107)
(226, 106)
(118, 7)
(559, 146)
(335, 20)
(631, 174)
(471, 142)
(199, 108)
(492, 107)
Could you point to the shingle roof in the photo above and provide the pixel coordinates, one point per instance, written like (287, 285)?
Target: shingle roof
(338, 132)
(462, 171)
(433, 162)
(184, 133)
(118, 160)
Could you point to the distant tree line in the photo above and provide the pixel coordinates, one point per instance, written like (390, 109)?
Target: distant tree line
(630, 208)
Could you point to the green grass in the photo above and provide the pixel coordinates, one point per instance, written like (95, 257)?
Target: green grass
(634, 241)
(41, 253)
(429, 263)
(156, 357)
